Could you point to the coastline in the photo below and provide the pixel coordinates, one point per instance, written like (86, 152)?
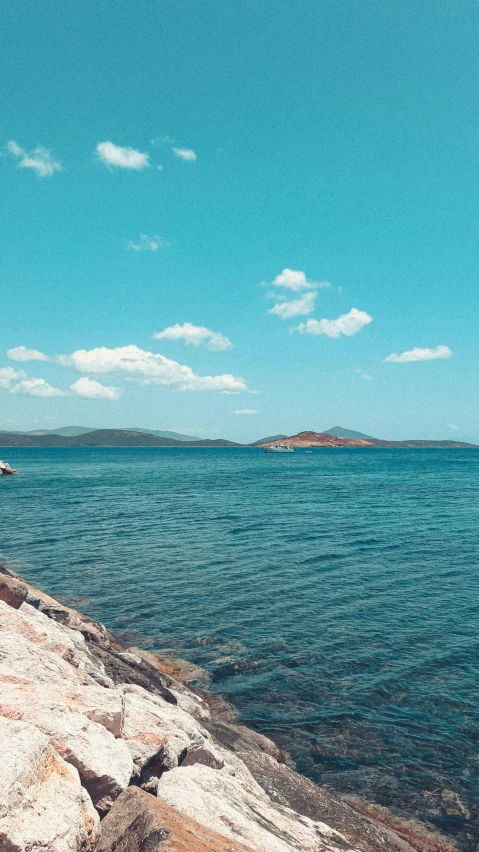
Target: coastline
(195, 759)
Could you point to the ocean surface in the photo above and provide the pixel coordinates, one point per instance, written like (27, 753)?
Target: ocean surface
(333, 597)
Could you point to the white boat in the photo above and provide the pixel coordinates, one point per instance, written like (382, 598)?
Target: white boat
(279, 448)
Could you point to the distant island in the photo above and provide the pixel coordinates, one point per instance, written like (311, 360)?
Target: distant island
(79, 436)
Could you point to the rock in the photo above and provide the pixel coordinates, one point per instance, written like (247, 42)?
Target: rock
(103, 706)
(156, 730)
(289, 789)
(240, 740)
(42, 803)
(139, 823)
(22, 660)
(241, 810)
(65, 643)
(12, 591)
(103, 762)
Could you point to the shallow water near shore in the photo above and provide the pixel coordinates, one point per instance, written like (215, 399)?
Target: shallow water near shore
(333, 597)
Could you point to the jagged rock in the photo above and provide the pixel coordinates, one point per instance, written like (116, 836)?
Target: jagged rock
(41, 630)
(21, 659)
(139, 823)
(12, 591)
(154, 729)
(104, 763)
(42, 803)
(103, 706)
(240, 809)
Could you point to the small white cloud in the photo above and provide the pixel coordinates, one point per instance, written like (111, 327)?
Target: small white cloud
(9, 375)
(293, 279)
(195, 335)
(138, 365)
(122, 158)
(21, 353)
(36, 387)
(40, 160)
(160, 168)
(347, 324)
(185, 154)
(162, 140)
(146, 243)
(453, 427)
(366, 376)
(245, 411)
(295, 307)
(89, 389)
(419, 354)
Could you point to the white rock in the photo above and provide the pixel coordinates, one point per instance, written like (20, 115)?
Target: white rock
(151, 723)
(54, 637)
(241, 810)
(21, 659)
(42, 803)
(104, 763)
(104, 706)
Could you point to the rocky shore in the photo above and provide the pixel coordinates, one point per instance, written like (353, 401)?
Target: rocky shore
(107, 749)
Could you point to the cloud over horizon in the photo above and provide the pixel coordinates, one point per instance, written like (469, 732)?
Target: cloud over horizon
(147, 368)
(40, 159)
(195, 335)
(347, 324)
(122, 158)
(418, 354)
(9, 375)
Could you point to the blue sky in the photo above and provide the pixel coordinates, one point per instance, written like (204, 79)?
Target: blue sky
(258, 151)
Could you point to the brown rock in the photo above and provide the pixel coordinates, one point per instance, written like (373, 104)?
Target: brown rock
(12, 591)
(138, 822)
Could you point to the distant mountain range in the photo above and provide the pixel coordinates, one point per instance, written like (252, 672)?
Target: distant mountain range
(82, 436)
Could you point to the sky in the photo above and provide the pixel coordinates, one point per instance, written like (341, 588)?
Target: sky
(238, 219)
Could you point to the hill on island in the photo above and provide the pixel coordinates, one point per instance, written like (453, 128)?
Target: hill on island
(327, 439)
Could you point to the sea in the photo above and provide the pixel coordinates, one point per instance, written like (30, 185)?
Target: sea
(332, 596)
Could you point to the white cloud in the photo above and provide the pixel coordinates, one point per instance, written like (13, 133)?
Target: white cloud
(295, 307)
(364, 375)
(40, 160)
(293, 279)
(185, 154)
(9, 375)
(122, 158)
(419, 354)
(453, 427)
(195, 335)
(138, 365)
(245, 411)
(21, 353)
(89, 389)
(162, 140)
(347, 324)
(146, 243)
(36, 387)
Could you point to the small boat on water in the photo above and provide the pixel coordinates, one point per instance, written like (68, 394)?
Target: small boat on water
(6, 470)
(308, 451)
(279, 448)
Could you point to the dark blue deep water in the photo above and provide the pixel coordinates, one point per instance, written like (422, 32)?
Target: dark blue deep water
(333, 597)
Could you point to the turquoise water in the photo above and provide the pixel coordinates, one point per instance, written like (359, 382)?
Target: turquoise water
(333, 597)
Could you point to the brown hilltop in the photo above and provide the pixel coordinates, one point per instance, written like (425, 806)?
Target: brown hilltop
(320, 439)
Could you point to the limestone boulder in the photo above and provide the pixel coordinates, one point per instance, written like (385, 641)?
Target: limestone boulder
(139, 823)
(104, 706)
(41, 630)
(155, 729)
(22, 660)
(12, 591)
(42, 803)
(241, 810)
(103, 762)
